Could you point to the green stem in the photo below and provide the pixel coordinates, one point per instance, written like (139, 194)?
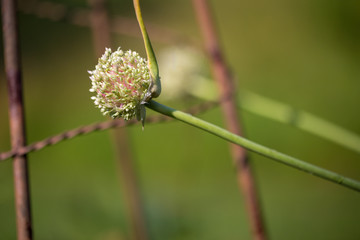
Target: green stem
(311, 123)
(284, 113)
(252, 146)
(155, 88)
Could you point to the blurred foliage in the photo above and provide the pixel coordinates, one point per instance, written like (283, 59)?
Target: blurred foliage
(305, 53)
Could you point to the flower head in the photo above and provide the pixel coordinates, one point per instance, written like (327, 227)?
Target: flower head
(120, 81)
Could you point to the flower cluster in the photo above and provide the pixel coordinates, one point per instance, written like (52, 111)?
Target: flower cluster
(120, 81)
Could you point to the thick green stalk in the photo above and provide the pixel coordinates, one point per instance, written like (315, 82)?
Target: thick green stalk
(255, 147)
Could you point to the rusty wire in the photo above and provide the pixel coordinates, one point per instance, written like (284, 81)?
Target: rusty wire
(13, 73)
(81, 17)
(118, 24)
(225, 83)
(80, 131)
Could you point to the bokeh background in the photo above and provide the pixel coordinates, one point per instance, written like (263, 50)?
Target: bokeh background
(305, 53)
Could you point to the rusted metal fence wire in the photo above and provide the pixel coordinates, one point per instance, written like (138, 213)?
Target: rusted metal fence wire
(16, 118)
(225, 85)
(101, 126)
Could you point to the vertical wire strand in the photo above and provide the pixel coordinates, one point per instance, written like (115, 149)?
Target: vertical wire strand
(101, 34)
(16, 119)
(224, 81)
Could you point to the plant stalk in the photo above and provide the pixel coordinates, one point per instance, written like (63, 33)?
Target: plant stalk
(255, 147)
(284, 113)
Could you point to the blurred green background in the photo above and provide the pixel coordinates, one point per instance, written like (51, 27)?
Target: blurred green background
(305, 53)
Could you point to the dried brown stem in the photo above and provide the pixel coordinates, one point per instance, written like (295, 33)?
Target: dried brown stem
(224, 81)
(16, 118)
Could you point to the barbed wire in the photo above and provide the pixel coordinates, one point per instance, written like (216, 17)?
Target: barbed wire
(80, 131)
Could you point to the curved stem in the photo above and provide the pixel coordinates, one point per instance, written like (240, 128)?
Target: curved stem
(255, 147)
(153, 66)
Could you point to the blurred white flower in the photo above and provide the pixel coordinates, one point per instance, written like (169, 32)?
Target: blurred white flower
(184, 72)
